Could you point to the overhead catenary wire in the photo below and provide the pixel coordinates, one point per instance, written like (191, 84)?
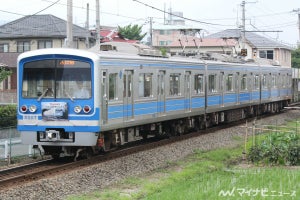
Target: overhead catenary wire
(26, 16)
(189, 19)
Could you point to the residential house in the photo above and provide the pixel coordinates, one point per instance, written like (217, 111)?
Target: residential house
(182, 39)
(178, 39)
(258, 47)
(30, 33)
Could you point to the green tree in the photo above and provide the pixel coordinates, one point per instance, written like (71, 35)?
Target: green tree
(296, 58)
(131, 32)
(4, 73)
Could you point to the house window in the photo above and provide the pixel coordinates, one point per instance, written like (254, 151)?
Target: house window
(42, 44)
(162, 43)
(3, 48)
(164, 32)
(6, 84)
(23, 46)
(268, 54)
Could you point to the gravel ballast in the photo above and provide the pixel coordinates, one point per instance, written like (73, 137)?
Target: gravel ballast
(102, 175)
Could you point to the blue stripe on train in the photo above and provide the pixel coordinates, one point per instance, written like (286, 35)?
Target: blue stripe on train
(66, 128)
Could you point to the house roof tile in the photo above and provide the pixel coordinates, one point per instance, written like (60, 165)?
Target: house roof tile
(254, 39)
(205, 42)
(39, 26)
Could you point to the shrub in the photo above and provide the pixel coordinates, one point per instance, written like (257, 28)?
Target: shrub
(8, 116)
(293, 157)
(277, 148)
(255, 154)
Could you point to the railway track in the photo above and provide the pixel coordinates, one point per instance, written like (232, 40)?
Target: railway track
(13, 177)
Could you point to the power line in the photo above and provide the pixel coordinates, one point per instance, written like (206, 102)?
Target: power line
(12, 13)
(27, 16)
(189, 19)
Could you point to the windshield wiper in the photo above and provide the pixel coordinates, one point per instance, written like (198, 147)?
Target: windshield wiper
(69, 96)
(44, 93)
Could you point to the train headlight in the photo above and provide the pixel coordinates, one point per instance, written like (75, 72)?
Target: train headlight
(23, 108)
(77, 109)
(71, 135)
(86, 109)
(42, 135)
(32, 108)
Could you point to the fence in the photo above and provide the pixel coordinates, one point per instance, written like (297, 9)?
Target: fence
(11, 146)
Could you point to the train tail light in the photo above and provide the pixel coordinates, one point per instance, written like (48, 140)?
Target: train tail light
(23, 108)
(86, 109)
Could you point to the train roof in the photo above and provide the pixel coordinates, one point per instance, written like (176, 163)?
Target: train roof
(141, 52)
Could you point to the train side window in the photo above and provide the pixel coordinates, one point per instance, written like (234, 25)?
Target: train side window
(274, 81)
(212, 83)
(112, 94)
(289, 80)
(279, 80)
(145, 85)
(199, 84)
(127, 85)
(256, 82)
(244, 82)
(229, 83)
(174, 84)
(264, 81)
(283, 81)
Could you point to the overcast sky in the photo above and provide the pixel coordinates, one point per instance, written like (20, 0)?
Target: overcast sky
(212, 15)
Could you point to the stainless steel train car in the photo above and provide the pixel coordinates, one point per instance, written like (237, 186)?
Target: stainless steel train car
(73, 102)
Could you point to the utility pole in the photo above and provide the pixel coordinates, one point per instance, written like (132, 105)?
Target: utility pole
(98, 23)
(243, 25)
(298, 11)
(69, 25)
(244, 50)
(151, 39)
(87, 25)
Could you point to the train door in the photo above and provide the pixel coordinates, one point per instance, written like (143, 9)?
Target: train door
(237, 87)
(187, 91)
(161, 93)
(104, 100)
(128, 106)
(222, 89)
(269, 82)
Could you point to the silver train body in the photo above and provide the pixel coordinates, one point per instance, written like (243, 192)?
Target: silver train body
(130, 97)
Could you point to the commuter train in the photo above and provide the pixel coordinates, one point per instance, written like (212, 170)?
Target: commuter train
(75, 102)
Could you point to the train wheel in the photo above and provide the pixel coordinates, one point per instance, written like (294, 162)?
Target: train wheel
(55, 156)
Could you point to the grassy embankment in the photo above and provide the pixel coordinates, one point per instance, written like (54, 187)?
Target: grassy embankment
(219, 174)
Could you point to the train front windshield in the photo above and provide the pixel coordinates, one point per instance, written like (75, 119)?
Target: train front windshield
(57, 79)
